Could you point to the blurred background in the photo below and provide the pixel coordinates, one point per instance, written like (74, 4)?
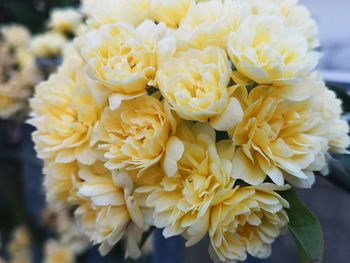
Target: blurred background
(22, 201)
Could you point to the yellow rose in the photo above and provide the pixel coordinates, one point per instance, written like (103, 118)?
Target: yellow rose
(169, 12)
(56, 252)
(196, 170)
(122, 60)
(65, 20)
(332, 126)
(247, 220)
(107, 206)
(59, 181)
(48, 44)
(277, 138)
(268, 52)
(294, 15)
(134, 136)
(66, 117)
(209, 23)
(195, 85)
(106, 12)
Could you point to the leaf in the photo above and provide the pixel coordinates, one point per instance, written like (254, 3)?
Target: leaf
(305, 228)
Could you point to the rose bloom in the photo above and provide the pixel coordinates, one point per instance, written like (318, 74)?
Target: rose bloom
(247, 220)
(294, 15)
(65, 115)
(195, 85)
(277, 138)
(107, 205)
(169, 12)
(47, 44)
(16, 35)
(59, 182)
(196, 169)
(135, 135)
(268, 52)
(122, 60)
(65, 20)
(209, 23)
(106, 12)
(332, 126)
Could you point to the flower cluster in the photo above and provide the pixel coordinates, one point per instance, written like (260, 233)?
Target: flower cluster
(18, 71)
(191, 116)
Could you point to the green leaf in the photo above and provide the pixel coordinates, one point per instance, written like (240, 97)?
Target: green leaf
(305, 228)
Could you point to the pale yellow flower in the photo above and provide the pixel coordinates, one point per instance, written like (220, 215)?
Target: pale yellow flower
(135, 135)
(65, 20)
(107, 205)
(169, 12)
(332, 126)
(48, 44)
(64, 100)
(59, 181)
(56, 252)
(196, 170)
(65, 116)
(122, 60)
(246, 220)
(268, 52)
(195, 85)
(209, 23)
(276, 138)
(16, 35)
(105, 12)
(294, 15)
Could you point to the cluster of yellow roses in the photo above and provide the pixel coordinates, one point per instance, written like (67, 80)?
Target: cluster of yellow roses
(189, 116)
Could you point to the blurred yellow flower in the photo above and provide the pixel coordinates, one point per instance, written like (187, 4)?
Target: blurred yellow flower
(18, 74)
(65, 20)
(16, 35)
(195, 85)
(19, 246)
(122, 60)
(247, 220)
(135, 135)
(55, 252)
(196, 170)
(8, 105)
(268, 52)
(48, 44)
